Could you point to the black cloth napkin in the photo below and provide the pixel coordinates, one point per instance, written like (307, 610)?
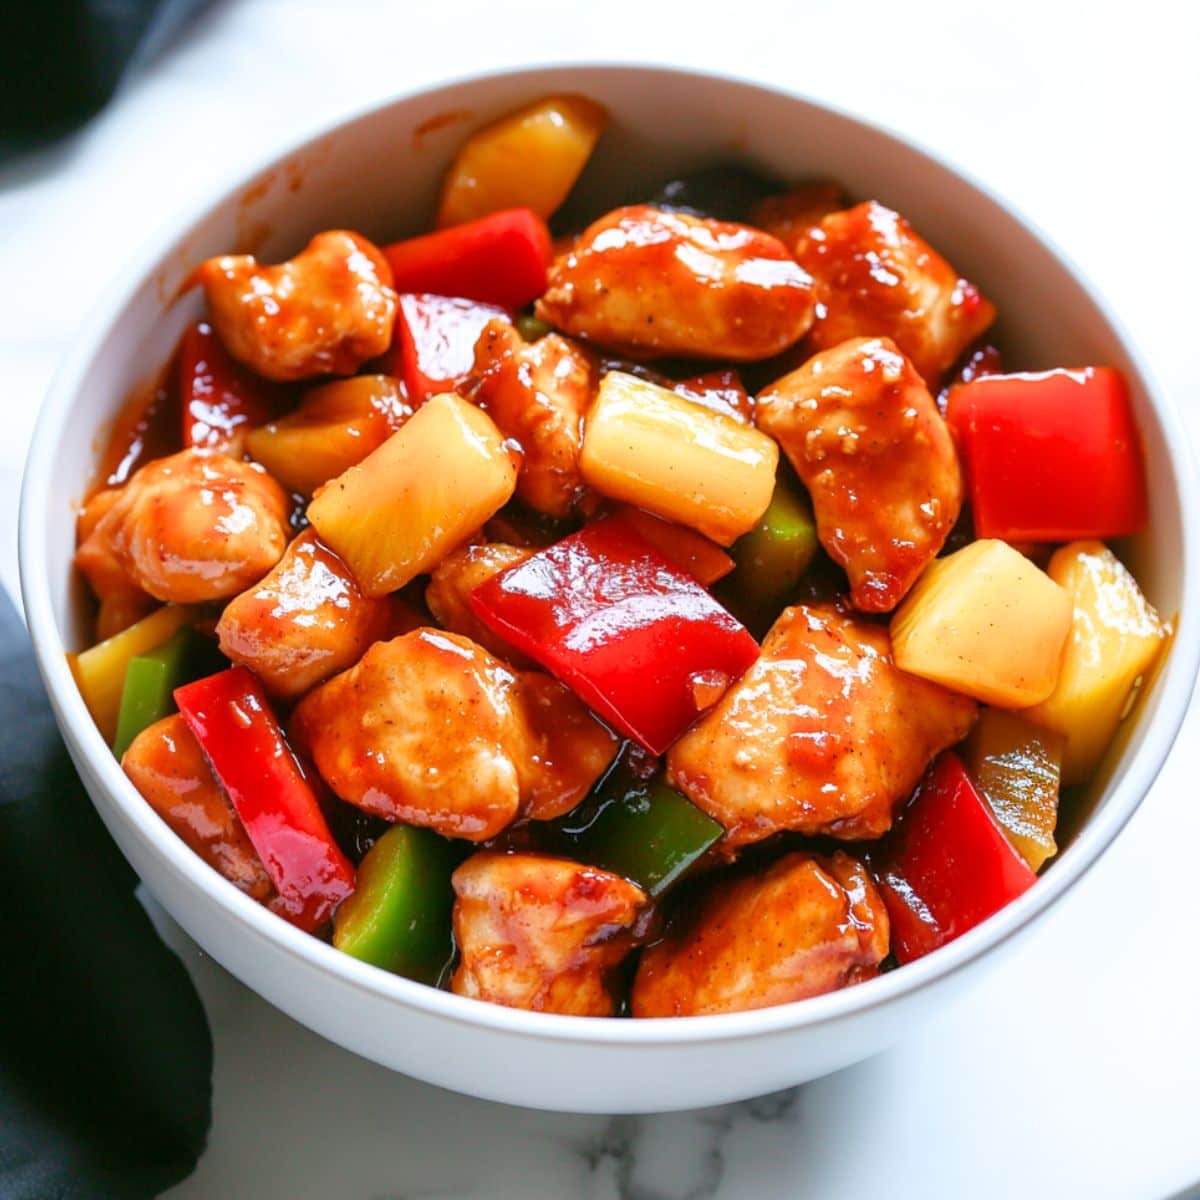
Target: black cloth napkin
(61, 60)
(105, 1053)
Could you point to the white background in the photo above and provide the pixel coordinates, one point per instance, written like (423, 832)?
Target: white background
(1075, 1070)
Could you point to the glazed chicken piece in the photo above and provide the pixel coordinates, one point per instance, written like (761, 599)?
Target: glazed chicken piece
(804, 927)
(791, 214)
(190, 528)
(457, 576)
(875, 277)
(537, 393)
(305, 622)
(540, 933)
(645, 282)
(432, 730)
(168, 767)
(866, 437)
(121, 601)
(824, 734)
(324, 312)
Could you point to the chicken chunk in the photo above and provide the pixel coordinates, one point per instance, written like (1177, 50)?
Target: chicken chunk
(822, 735)
(646, 282)
(866, 437)
(168, 767)
(305, 622)
(875, 277)
(804, 927)
(541, 934)
(457, 576)
(189, 528)
(790, 215)
(431, 729)
(324, 312)
(537, 393)
(121, 601)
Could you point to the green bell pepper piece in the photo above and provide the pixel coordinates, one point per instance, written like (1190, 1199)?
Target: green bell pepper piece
(150, 680)
(532, 328)
(399, 915)
(773, 557)
(641, 829)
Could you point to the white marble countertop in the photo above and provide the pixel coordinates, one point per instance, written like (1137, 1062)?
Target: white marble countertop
(1075, 1069)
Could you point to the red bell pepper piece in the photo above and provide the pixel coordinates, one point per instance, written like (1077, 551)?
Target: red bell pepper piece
(232, 720)
(1052, 456)
(217, 395)
(434, 347)
(639, 639)
(684, 547)
(947, 865)
(499, 259)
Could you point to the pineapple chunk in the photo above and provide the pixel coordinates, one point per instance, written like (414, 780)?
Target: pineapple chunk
(100, 670)
(1116, 636)
(527, 159)
(336, 426)
(1016, 765)
(986, 622)
(652, 448)
(410, 502)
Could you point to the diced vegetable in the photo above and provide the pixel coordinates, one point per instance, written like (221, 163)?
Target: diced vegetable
(641, 829)
(219, 398)
(1016, 765)
(773, 557)
(639, 639)
(947, 864)
(528, 158)
(679, 545)
(434, 350)
(411, 501)
(499, 259)
(100, 670)
(986, 622)
(399, 915)
(1051, 456)
(150, 680)
(531, 328)
(336, 426)
(230, 717)
(652, 448)
(1116, 637)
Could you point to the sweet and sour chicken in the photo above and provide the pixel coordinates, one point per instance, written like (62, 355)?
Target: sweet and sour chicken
(542, 933)
(591, 687)
(431, 729)
(802, 927)
(822, 735)
(866, 439)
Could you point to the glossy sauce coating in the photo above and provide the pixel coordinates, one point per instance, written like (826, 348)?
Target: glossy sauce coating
(802, 927)
(167, 766)
(822, 735)
(306, 621)
(876, 277)
(646, 282)
(537, 393)
(454, 579)
(867, 440)
(541, 933)
(324, 312)
(431, 729)
(790, 215)
(189, 528)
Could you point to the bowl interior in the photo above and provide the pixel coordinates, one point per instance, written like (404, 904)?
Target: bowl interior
(378, 174)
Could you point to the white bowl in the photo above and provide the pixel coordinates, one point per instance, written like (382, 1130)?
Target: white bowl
(377, 172)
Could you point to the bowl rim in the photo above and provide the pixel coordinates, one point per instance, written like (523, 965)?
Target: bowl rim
(1142, 765)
